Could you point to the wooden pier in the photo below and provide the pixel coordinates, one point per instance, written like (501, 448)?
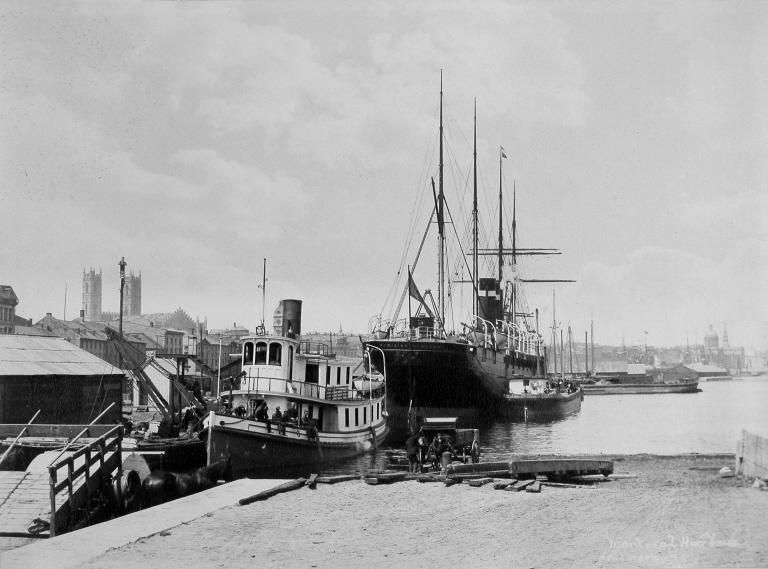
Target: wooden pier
(49, 496)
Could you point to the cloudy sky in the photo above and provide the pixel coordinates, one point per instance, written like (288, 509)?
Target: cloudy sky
(198, 138)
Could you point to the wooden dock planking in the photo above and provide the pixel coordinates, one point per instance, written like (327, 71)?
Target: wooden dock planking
(23, 501)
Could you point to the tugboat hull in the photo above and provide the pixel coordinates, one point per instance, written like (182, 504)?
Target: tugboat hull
(254, 448)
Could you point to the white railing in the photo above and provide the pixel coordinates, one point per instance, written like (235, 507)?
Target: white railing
(489, 340)
(517, 339)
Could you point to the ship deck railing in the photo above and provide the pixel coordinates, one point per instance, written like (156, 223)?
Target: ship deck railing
(308, 390)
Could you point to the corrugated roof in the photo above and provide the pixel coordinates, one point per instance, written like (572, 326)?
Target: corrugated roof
(38, 355)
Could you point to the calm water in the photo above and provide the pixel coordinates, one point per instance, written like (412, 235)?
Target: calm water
(706, 422)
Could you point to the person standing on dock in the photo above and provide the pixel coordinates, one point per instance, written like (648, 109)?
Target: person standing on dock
(412, 451)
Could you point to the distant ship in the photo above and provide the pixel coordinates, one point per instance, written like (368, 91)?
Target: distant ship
(607, 387)
(642, 379)
(433, 372)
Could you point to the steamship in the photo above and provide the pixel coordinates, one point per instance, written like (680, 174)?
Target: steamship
(466, 374)
(329, 407)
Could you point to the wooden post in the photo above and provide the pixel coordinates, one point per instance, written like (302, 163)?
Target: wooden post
(52, 479)
(70, 468)
(120, 469)
(87, 457)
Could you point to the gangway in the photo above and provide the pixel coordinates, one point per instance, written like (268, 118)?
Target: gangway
(49, 498)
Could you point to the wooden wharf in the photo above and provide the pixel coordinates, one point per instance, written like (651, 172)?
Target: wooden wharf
(531, 468)
(49, 496)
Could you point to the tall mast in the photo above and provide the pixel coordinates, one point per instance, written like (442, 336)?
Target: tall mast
(501, 232)
(475, 290)
(514, 251)
(441, 236)
(263, 291)
(554, 332)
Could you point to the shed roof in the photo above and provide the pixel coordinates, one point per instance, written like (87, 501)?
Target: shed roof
(39, 355)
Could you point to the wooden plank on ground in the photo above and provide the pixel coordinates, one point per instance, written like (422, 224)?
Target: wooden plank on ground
(429, 478)
(479, 482)
(286, 487)
(535, 487)
(338, 478)
(519, 485)
(503, 485)
(565, 485)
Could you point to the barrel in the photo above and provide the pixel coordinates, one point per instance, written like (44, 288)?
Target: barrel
(445, 460)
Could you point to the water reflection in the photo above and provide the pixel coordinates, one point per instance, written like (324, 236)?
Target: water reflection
(706, 422)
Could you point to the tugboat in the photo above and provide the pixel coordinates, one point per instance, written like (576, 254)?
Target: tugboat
(542, 400)
(295, 403)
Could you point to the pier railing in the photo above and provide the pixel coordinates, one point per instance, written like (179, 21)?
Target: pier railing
(308, 390)
(87, 471)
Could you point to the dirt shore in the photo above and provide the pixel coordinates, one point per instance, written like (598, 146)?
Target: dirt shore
(676, 512)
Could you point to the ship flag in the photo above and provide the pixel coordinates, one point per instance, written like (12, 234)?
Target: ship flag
(414, 293)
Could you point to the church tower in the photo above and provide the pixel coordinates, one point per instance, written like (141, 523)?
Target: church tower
(132, 295)
(92, 295)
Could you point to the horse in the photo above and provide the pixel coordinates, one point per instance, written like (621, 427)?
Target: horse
(163, 486)
(208, 476)
(158, 487)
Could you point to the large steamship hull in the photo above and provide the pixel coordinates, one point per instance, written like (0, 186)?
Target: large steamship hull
(433, 378)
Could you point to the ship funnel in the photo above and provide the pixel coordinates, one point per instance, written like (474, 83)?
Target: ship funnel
(287, 320)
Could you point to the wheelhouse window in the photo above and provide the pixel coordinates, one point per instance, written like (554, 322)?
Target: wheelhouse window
(346, 417)
(365, 415)
(347, 376)
(248, 353)
(357, 416)
(275, 354)
(338, 376)
(327, 375)
(261, 353)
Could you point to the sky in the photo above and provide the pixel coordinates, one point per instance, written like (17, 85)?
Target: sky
(196, 139)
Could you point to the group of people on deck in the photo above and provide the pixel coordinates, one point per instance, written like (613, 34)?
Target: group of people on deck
(422, 454)
(282, 419)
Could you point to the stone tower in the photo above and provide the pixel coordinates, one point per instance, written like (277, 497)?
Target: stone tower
(92, 295)
(132, 295)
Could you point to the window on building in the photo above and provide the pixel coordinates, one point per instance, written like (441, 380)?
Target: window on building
(261, 353)
(275, 354)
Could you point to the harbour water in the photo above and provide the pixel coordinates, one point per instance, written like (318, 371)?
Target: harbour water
(707, 422)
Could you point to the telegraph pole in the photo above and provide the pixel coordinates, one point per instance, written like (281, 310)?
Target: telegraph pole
(122, 265)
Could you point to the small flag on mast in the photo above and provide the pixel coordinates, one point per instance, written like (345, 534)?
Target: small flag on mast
(503, 154)
(413, 291)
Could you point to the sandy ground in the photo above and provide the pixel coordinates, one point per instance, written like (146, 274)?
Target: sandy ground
(677, 512)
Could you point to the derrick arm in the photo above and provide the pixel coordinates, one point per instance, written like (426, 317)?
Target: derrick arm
(135, 362)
